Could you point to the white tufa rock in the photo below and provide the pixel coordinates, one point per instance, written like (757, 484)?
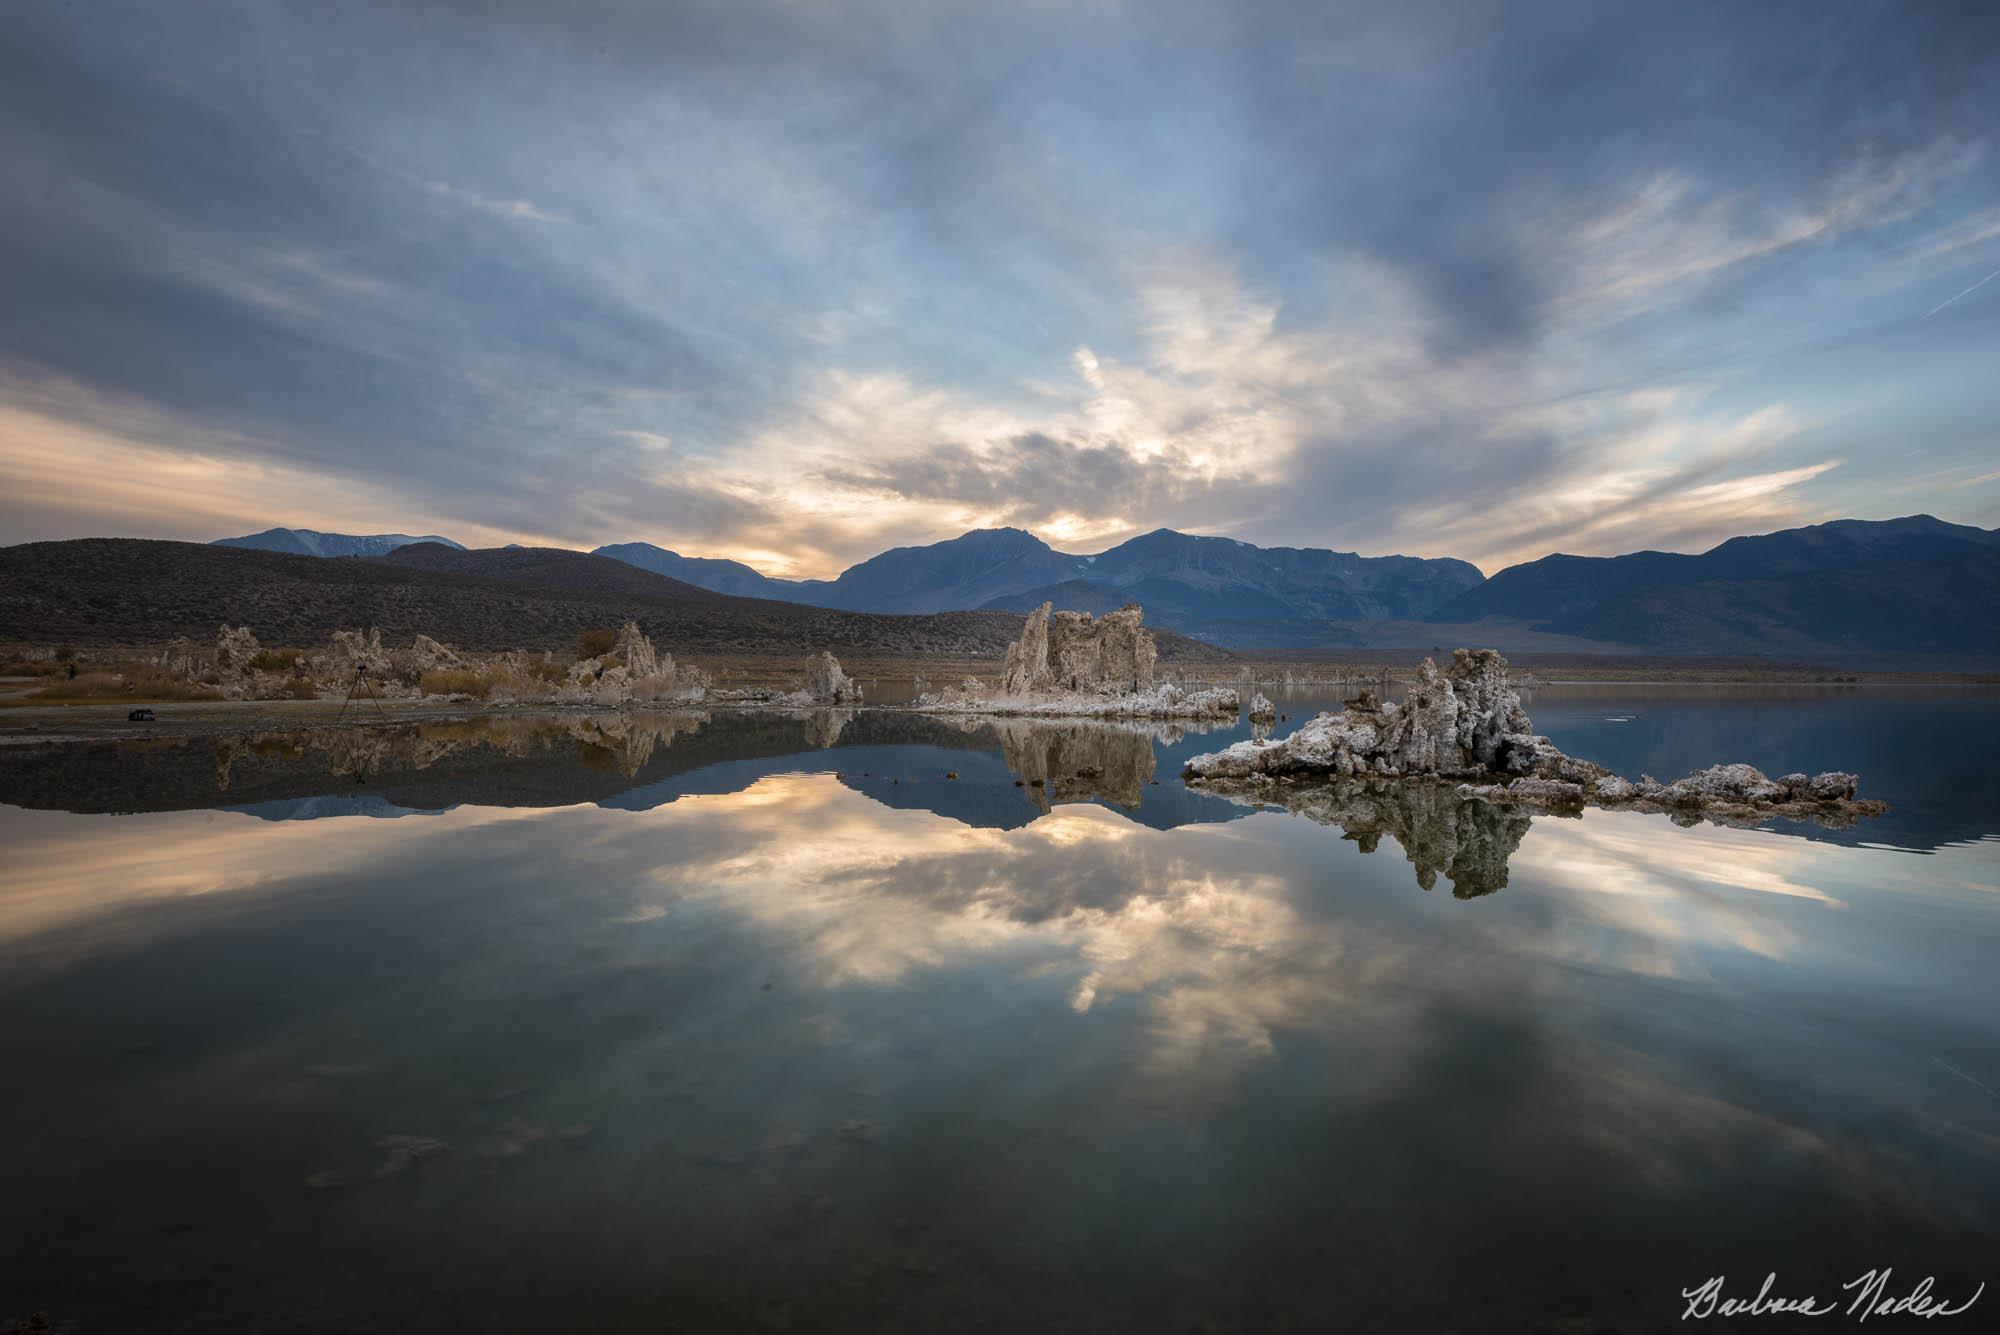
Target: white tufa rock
(234, 649)
(1069, 665)
(632, 671)
(636, 652)
(826, 684)
(427, 655)
(1165, 701)
(351, 649)
(1075, 653)
(1467, 723)
(182, 658)
(1614, 789)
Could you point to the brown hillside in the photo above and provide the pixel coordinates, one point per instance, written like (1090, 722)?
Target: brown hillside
(133, 591)
(557, 569)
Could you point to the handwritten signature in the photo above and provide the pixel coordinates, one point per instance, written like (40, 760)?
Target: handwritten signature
(1871, 1298)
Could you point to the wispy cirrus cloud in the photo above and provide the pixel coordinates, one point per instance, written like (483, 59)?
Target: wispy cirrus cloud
(499, 208)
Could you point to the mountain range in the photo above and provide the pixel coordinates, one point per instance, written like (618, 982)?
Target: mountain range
(1185, 582)
(704, 572)
(94, 591)
(311, 542)
(1916, 586)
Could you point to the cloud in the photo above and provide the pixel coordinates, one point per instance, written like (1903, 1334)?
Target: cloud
(74, 463)
(1961, 234)
(499, 208)
(1293, 273)
(1673, 230)
(1223, 411)
(1659, 477)
(113, 470)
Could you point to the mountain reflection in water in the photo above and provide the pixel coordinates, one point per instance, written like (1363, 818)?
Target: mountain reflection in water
(762, 1022)
(983, 772)
(990, 773)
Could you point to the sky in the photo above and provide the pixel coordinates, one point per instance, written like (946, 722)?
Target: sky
(795, 282)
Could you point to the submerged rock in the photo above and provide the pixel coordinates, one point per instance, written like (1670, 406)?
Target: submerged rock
(402, 1153)
(1467, 723)
(1726, 794)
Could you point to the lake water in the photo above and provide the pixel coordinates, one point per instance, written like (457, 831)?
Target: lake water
(763, 1022)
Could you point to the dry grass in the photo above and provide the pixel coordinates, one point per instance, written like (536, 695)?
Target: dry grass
(33, 667)
(126, 681)
(593, 643)
(501, 679)
(277, 660)
(461, 681)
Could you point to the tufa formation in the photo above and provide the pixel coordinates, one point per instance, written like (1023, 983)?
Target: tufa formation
(1074, 652)
(1466, 723)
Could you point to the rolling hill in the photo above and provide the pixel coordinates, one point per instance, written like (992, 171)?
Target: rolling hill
(132, 591)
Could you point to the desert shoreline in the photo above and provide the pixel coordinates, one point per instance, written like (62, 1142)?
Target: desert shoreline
(24, 720)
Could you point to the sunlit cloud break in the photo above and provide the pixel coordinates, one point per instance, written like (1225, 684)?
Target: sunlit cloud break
(794, 285)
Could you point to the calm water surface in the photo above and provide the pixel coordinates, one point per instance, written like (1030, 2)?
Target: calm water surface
(761, 1022)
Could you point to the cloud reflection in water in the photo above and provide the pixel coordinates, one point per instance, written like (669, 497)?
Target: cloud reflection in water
(1078, 1038)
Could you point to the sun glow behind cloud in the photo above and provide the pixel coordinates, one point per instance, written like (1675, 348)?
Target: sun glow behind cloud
(67, 476)
(1179, 291)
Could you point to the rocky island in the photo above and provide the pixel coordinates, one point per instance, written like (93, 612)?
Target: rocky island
(1466, 725)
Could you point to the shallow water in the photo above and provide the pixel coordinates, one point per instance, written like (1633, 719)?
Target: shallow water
(718, 1022)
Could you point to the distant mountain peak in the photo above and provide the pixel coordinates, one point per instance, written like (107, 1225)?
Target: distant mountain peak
(312, 542)
(1179, 577)
(1915, 584)
(643, 547)
(1009, 537)
(706, 572)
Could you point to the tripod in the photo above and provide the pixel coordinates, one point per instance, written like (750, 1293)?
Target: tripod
(360, 683)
